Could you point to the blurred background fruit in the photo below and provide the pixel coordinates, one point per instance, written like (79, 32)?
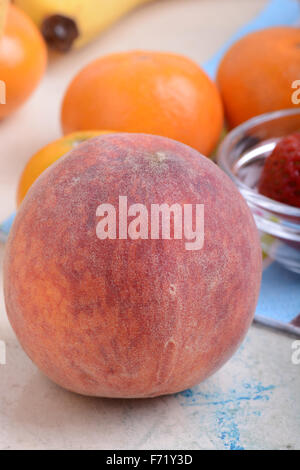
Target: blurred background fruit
(49, 154)
(150, 92)
(3, 13)
(23, 58)
(256, 74)
(73, 23)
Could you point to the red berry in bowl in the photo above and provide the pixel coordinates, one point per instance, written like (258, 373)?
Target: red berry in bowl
(280, 179)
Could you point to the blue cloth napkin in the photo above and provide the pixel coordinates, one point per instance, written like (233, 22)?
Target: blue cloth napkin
(279, 301)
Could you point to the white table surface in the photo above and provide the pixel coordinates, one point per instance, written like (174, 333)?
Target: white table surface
(254, 401)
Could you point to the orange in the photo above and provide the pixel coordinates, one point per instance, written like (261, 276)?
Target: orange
(149, 92)
(46, 156)
(256, 74)
(23, 59)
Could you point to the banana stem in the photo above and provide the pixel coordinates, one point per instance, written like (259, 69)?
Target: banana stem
(3, 14)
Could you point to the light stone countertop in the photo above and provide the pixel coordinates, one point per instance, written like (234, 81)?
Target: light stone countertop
(253, 402)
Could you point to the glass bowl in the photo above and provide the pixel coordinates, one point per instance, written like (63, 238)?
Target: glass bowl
(241, 155)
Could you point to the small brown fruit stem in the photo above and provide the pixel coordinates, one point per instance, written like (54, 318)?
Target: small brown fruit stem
(3, 13)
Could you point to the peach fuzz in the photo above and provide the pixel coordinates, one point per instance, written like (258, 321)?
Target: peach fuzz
(130, 318)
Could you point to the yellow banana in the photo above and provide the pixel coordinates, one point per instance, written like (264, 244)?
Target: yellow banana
(66, 24)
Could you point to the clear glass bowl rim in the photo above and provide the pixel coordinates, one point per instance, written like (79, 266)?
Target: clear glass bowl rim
(224, 150)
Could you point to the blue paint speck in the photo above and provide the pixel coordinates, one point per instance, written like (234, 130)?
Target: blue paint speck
(228, 407)
(229, 432)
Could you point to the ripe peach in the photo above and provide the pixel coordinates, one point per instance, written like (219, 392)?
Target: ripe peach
(130, 317)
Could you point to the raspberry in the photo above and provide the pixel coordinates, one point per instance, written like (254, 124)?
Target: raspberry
(280, 179)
